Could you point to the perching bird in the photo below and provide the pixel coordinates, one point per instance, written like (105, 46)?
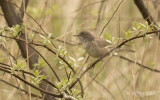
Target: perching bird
(94, 46)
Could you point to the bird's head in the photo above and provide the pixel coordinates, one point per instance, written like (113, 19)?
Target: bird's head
(85, 36)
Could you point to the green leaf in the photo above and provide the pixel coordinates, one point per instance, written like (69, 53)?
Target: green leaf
(43, 77)
(15, 30)
(36, 80)
(2, 29)
(62, 51)
(135, 25)
(127, 34)
(146, 23)
(73, 59)
(80, 58)
(20, 65)
(31, 36)
(142, 25)
(36, 73)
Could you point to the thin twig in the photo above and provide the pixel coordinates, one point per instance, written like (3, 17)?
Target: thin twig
(136, 37)
(105, 89)
(46, 62)
(144, 66)
(33, 86)
(89, 5)
(30, 17)
(32, 94)
(119, 89)
(25, 72)
(96, 74)
(59, 40)
(111, 18)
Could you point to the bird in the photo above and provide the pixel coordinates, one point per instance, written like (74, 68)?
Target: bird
(93, 45)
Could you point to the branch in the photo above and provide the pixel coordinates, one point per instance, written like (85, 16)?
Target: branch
(12, 19)
(111, 18)
(136, 37)
(7, 52)
(62, 95)
(23, 8)
(33, 86)
(141, 65)
(105, 89)
(36, 52)
(55, 54)
(120, 45)
(32, 94)
(59, 40)
(145, 13)
(99, 14)
(90, 5)
(46, 62)
(29, 16)
(41, 45)
(36, 44)
(8, 67)
(10, 13)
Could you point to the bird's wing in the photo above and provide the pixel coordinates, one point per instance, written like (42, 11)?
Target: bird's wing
(100, 42)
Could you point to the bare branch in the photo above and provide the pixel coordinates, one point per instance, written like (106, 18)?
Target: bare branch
(111, 18)
(23, 8)
(145, 13)
(32, 94)
(33, 86)
(141, 65)
(8, 67)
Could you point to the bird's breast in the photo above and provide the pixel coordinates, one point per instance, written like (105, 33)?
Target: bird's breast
(93, 50)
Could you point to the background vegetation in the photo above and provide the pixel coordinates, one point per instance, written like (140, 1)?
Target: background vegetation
(50, 47)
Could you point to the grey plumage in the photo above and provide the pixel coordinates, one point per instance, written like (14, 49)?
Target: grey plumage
(94, 46)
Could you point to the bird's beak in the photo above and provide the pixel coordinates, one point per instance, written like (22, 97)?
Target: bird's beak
(76, 35)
